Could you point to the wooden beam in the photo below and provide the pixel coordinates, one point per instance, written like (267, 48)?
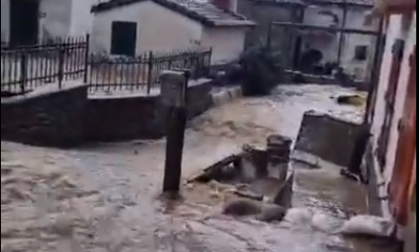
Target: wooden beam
(324, 28)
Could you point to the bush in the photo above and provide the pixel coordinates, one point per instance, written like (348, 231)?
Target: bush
(260, 70)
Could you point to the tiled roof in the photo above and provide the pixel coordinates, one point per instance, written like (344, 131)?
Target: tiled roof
(367, 3)
(203, 12)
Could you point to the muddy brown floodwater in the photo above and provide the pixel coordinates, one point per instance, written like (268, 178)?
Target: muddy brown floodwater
(104, 198)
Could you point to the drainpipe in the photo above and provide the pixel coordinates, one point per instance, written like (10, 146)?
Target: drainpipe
(341, 39)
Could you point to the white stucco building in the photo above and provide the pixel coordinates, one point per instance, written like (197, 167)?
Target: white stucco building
(351, 50)
(31, 21)
(393, 119)
(138, 26)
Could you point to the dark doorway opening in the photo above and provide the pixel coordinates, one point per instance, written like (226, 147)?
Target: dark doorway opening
(123, 38)
(24, 22)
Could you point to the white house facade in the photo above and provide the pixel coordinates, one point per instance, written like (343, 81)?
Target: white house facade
(393, 119)
(353, 50)
(141, 26)
(31, 21)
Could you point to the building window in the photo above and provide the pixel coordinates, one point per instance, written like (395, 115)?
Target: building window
(361, 53)
(123, 38)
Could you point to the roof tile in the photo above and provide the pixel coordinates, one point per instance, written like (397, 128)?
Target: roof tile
(202, 11)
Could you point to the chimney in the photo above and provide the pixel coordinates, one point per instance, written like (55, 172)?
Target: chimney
(225, 4)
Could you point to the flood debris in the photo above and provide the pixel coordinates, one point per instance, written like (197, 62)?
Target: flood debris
(367, 225)
(222, 170)
(354, 100)
(260, 178)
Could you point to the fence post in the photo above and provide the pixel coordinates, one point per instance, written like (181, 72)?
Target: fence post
(61, 53)
(85, 76)
(150, 72)
(23, 72)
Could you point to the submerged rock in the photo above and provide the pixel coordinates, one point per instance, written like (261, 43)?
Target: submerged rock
(242, 207)
(266, 213)
(272, 213)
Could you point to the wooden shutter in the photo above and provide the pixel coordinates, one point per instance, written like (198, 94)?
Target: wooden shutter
(390, 95)
(402, 179)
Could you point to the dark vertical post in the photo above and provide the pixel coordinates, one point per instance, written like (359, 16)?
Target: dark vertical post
(87, 48)
(60, 67)
(174, 86)
(341, 34)
(150, 72)
(23, 72)
(269, 34)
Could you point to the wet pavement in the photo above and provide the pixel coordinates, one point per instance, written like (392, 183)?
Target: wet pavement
(120, 209)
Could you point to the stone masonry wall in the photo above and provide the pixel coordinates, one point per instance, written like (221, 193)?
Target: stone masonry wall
(55, 118)
(141, 117)
(67, 117)
(327, 137)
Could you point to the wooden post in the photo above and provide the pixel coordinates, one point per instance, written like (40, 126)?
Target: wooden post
(173, 90)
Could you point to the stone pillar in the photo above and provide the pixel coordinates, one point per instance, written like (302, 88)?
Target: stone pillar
(5, 21)
(173, 91)
(278, 156)
(253, 163)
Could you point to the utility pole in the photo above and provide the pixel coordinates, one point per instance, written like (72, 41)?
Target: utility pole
(173, 90)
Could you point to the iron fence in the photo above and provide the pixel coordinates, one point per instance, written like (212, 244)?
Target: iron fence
(142, 73)
(25, 68)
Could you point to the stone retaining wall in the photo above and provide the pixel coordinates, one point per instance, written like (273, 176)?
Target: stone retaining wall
(51, 118)
(68, 117)
(138, 117)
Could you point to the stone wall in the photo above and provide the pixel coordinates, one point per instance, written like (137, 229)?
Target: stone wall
(51, 118)
(122, 118)
(138, 117)
(68, 117)
(298, 77)
(327, 137)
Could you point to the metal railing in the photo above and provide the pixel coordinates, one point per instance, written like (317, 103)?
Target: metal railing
(26, 68)
(142, 73)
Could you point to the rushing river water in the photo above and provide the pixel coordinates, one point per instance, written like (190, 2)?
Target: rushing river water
(105, 197)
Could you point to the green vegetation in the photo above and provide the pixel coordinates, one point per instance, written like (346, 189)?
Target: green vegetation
(261, 70)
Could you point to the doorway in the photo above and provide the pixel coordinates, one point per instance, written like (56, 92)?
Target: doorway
(123, 38)
(24, 22)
